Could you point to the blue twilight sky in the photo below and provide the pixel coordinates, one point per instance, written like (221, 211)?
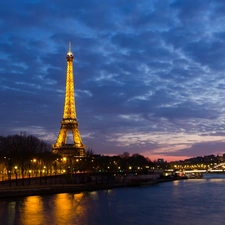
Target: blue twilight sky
(149, 75)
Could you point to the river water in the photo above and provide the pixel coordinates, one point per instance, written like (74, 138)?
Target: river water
(184, 202)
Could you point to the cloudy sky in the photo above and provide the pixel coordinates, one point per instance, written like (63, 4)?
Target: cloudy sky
(149, 75)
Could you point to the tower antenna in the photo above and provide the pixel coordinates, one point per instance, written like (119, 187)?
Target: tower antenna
(69, 46)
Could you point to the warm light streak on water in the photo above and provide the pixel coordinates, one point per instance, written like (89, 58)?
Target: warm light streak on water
(183, 202)
(32, 210)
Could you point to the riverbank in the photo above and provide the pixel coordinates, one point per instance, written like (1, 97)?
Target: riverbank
(17, 191)
(54, 189)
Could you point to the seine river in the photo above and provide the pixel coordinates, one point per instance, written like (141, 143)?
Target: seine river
(185, 202)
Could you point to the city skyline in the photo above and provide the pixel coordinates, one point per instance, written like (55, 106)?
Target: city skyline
(149, 75)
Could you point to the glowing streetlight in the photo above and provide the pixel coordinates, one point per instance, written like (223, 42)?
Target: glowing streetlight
(64, 159)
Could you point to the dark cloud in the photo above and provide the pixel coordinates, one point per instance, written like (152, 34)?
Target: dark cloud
(207, 53)
(192, 11)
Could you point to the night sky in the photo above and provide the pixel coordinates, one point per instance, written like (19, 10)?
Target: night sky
(149, 74)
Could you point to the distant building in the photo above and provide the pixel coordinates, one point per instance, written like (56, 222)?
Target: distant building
(160, 160)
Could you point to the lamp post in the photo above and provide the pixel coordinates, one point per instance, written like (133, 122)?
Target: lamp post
(65, 162)
(29, 176)
(16, 173)
(34, 166)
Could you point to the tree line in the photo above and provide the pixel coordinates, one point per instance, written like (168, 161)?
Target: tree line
(20, 150)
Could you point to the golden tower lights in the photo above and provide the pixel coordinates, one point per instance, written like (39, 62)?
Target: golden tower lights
(69, 121)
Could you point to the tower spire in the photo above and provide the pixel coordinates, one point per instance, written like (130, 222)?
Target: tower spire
(69, 121)
(70, 49)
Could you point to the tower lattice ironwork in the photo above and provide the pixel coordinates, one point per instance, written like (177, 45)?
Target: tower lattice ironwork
(69, 122)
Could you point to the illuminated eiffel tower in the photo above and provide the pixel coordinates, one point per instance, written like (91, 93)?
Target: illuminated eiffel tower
(69, 121)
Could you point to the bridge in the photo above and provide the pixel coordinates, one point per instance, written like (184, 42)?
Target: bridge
(219, 168)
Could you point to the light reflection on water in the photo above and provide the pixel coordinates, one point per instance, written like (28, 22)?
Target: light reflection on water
(64, 204)
(185, 202)
(32, 210)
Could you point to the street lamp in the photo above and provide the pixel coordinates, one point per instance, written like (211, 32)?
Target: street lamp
(16, 173)
(34, 166)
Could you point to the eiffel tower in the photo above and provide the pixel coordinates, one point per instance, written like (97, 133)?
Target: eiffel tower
(69, 121)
